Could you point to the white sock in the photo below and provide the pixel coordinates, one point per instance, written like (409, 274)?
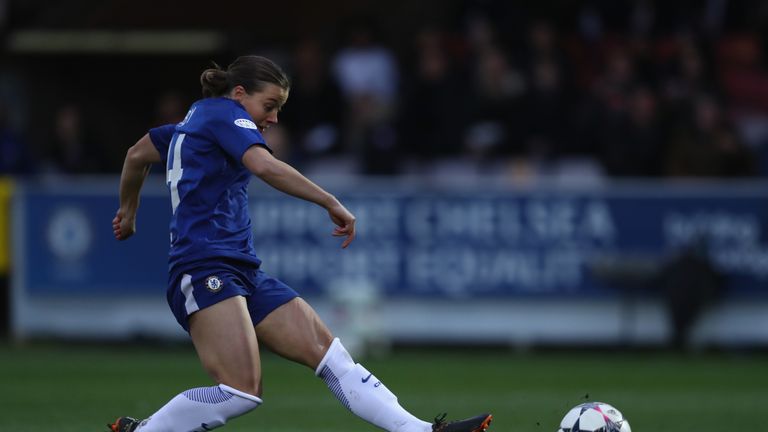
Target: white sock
(200, 409)
(363, 394)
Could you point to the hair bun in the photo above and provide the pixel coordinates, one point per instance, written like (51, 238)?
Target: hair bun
(215, 82)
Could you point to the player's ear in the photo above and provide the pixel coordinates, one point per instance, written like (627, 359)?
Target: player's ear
(238, 92)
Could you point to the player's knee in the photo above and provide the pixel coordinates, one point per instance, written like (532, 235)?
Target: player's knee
(312, 349)
(247, 396)
(246, 386)
(324, 341)
(245, 382)
(319, 349)
(256, 389)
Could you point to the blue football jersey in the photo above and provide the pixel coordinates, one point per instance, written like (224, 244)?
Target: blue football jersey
(208, 182)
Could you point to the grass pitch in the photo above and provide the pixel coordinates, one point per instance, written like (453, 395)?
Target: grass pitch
(79, 389)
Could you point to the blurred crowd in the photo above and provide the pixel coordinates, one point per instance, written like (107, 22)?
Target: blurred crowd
(615, 89)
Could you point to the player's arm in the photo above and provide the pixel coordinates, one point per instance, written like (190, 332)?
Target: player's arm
(138, 160)
(285, 178)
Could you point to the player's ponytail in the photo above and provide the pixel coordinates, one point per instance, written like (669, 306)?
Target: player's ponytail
(215, 82)
(251, 72)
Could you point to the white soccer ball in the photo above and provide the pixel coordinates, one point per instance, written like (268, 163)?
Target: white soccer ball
(594, 417)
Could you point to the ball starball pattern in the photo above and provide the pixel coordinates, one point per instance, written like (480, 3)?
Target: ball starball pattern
(594, 417)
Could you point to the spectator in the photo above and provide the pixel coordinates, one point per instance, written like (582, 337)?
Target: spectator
(686, 74)
(605, 104)
(16, 159)
(547, 101)
(690, 284)
(170, 107)
(545, 111)
(495, 106)
(631, 145)
(367, 73)
(430, 120)
(708, 146)
(74, 150)
(314, 115)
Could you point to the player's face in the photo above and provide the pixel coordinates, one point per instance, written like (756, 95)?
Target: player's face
(264, 105)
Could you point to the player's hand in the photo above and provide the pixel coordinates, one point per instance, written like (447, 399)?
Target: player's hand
(123, 226)
(345, 223)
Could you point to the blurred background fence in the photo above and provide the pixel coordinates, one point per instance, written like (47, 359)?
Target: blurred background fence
(565, 172)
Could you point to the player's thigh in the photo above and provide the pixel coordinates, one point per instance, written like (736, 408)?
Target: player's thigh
(226, 343)
(296, 332)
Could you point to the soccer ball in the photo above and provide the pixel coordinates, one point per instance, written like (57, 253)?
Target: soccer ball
(594, 417)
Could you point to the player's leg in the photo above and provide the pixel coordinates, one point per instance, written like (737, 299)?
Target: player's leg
(295, 331)
(289, 326)
(226, 344)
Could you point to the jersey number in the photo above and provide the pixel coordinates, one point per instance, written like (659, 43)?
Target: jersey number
(175, 170)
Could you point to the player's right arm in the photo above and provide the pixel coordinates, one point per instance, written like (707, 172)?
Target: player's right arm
(136, 166)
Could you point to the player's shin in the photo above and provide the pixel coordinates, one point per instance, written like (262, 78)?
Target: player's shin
(363, 394)
(200, 409)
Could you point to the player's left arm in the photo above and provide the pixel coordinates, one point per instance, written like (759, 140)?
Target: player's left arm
(138, 161)
(285, 178)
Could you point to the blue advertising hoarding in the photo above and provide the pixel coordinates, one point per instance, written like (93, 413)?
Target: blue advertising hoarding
(412, 242)
(68, 248)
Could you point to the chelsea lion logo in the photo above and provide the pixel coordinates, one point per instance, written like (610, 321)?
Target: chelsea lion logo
(214, 284)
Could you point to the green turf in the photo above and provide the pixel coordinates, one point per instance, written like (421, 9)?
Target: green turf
(78, 389)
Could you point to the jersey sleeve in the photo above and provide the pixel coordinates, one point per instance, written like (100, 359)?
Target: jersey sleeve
(236, 134)
(161, 138)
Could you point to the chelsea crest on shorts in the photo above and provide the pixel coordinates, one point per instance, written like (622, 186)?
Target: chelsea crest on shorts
(214, 284)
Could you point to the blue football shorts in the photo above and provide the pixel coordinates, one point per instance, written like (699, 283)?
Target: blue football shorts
(207, 284)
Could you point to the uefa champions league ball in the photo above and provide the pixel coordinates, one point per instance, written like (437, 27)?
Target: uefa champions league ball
(594, 417)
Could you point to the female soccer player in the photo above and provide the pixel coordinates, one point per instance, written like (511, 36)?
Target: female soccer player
(215, 287)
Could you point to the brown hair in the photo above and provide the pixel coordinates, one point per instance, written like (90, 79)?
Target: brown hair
(252, 72)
